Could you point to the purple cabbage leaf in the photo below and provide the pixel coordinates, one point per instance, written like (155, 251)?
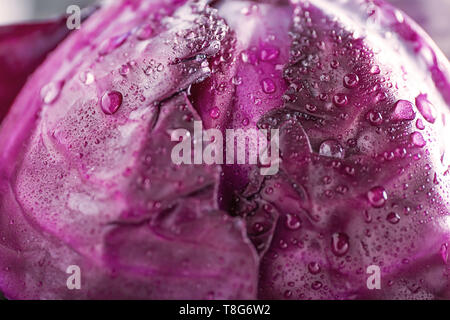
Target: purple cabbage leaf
(358, 91)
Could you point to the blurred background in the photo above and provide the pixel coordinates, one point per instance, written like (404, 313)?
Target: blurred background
(433, 15)
(26, 10)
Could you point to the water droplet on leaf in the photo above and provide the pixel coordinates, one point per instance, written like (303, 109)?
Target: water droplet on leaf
(351, 80)
(268, 85)
(418, 140)
(314, 267)
(332, 149)
(426, 108)
(293, 222)
(87, 77)
(111, 102)
(393, 218)
(214, 113)
(403, 111)
(51, 91)
(340, 99)
(339, 243)
(377, 197)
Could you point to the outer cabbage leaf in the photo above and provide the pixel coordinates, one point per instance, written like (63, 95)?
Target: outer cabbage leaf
(95, 185)
(364, 175)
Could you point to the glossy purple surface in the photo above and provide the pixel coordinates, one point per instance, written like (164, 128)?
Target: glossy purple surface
(359, 93)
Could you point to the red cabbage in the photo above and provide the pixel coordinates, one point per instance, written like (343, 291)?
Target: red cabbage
(359, 94)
